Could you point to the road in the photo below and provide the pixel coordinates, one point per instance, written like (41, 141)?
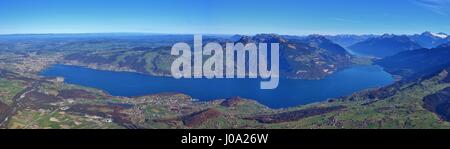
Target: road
(17, 104)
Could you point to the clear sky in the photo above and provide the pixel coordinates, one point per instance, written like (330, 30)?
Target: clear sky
(294, 17)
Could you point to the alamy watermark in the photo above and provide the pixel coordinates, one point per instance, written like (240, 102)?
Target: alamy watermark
(191, 64)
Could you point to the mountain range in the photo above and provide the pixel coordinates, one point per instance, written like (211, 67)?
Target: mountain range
(419, 100)
(311, 57)
(385, 45)
(416, 63)
(430, 40)
(347, 40)
(389, 44)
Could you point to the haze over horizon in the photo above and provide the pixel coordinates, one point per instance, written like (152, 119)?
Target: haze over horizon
(289, 17)
(206, 34)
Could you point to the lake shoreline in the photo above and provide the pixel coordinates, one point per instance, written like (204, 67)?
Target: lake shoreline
(272, 99)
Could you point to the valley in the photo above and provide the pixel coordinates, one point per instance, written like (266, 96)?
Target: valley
(32, 101)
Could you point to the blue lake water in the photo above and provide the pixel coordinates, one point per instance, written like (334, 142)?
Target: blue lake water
(290, 92)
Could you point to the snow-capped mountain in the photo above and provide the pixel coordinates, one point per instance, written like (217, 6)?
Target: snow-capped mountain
(430, 39)
(439, 35)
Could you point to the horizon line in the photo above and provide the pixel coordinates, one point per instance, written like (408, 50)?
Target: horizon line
(230, 34)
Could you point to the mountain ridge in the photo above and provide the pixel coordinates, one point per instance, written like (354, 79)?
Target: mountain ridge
(385, 45)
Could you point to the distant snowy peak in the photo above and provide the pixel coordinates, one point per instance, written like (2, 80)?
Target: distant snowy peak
(436, 35)
(440, 35)
(430, 40)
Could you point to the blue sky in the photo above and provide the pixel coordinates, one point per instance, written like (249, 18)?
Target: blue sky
(293, 17)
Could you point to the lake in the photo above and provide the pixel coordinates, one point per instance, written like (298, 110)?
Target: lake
(290, 92)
